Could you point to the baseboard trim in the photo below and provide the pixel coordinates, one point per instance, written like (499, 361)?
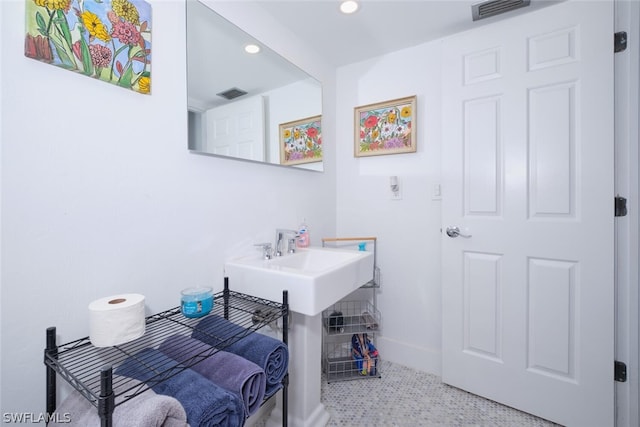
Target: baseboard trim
(420, 358)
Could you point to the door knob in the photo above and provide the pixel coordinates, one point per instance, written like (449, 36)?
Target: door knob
(453, 232)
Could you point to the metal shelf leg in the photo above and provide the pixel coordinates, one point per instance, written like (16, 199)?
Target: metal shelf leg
(106, 402)
(52, 351)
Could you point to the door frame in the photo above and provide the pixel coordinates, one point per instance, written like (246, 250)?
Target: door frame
(627, 184)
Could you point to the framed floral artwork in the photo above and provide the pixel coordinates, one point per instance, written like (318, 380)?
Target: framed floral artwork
(301, 141)
(385, 128)
(109, 40)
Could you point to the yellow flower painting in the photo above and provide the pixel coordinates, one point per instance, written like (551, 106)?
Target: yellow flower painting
(109, 40)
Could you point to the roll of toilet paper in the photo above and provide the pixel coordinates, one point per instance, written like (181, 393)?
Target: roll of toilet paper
(116, 319)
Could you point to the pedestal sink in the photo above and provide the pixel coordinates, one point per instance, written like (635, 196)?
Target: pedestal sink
(315, 278)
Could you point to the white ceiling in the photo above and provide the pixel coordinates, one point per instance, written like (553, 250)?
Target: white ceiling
(377, 28)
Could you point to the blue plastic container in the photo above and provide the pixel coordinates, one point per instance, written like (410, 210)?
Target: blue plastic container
(196, 302)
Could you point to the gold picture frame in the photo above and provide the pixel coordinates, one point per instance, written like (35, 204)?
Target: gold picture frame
(385, 127)
(301, 141)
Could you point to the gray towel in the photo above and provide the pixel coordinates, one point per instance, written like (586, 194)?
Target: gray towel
(228, 370)
(145, 410)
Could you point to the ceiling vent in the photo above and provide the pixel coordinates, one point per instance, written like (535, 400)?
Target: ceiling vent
(496, 7)
(232, 93)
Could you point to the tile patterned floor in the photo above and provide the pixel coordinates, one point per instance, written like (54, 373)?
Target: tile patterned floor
(407, 397)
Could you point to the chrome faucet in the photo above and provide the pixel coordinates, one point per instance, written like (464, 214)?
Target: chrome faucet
(266, 250)
(289, 246)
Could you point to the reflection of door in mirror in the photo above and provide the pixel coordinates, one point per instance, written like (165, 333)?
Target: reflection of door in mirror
(237, 129)
(216, 63)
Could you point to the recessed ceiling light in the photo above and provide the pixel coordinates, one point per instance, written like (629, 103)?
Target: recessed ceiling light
(252, 48)
(349, 6)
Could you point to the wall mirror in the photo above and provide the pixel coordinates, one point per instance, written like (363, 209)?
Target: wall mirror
(256, 107)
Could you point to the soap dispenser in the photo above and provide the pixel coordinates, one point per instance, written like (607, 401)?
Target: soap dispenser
(303, 235)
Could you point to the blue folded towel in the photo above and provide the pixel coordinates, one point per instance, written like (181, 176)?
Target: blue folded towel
(228, 370)
(269, 353)
(205, 403)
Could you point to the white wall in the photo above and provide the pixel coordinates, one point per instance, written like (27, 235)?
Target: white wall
(408, 229)
(101, 196)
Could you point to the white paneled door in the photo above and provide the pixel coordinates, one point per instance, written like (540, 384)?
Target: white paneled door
(528, 290)
(237, 129)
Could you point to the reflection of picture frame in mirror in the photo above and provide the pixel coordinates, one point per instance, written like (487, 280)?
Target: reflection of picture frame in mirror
(301, 141)
(386, 128)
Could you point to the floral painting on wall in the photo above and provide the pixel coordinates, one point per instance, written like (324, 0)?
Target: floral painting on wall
(386, 127)
(301, 141)
(109, 40)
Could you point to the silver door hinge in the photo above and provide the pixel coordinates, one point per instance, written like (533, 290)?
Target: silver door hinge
(619, 41)
(619, 371)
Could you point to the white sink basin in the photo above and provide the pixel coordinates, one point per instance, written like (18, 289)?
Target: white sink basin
(315, 277)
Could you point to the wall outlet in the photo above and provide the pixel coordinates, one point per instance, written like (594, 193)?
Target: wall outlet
(395, 188)
(396, 195)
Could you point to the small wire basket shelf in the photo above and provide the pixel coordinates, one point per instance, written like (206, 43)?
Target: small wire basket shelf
(341, 358)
